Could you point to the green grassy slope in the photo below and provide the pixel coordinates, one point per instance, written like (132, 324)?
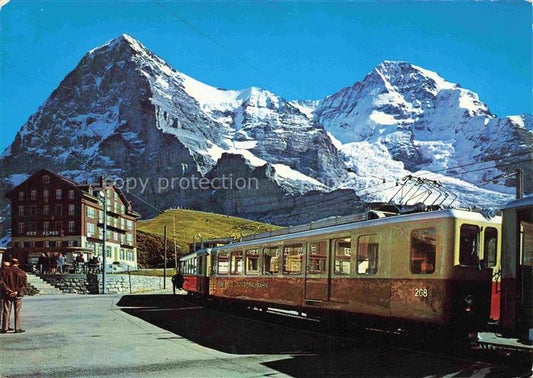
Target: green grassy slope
(208, 225)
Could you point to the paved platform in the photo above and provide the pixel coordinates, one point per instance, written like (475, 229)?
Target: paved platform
(167, 336)
(82, 335)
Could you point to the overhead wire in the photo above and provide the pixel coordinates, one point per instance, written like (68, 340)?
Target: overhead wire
(288, 152)
(285, 152)
(230, 51)
(465, 172)
(234, 54)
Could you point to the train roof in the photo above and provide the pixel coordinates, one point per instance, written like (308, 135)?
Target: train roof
(357, 222)
(521, 202)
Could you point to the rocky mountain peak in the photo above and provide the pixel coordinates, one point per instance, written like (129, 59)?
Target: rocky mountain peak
(127, 112)
(406, 78)
(119, 44)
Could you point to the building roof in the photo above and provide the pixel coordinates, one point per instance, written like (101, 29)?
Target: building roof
(521, 202)
(39, 173)
(88, 189)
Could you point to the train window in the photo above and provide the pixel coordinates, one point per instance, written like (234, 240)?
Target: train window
(199, 265)
(252, 261)
(236, 262)
(271, 260)
(343, 253)
(317, 257)
(469, 245)
(367, 254)
(223, 262)
(527, 243)
(423, 250)
(490, 246)
(292, 258)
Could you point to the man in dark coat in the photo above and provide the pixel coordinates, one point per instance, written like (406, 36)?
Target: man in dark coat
(12, 283)
(177, 282)
(5, 265)
(42, 263)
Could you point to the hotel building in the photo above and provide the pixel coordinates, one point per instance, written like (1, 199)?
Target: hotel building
(50, 213)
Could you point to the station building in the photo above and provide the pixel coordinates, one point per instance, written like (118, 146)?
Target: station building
(50, 213)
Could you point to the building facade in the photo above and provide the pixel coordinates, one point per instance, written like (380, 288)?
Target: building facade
(50, 213)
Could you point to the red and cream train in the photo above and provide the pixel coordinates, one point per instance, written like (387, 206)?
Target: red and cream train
(441, 269)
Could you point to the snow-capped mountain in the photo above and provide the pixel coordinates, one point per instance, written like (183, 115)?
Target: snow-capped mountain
(124, 112)
(402, 118)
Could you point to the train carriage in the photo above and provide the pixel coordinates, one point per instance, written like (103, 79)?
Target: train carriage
(517, 270)
(193, 267)
(432, 268)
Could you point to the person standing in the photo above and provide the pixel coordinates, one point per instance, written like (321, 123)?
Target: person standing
(13, 282)
(80, 263)
(61, 263)
(5, 265)
(47, 262)
(41, 263)
(53, 263)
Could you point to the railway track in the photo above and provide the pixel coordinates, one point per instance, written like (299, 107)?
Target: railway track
(516, 359)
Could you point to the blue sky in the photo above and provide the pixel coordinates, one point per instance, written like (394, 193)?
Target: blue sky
(298, 50)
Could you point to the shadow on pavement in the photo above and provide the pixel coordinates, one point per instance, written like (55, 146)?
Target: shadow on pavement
(310, 354)
(151, 300)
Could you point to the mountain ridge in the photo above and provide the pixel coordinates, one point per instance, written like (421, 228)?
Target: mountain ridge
(127, 112)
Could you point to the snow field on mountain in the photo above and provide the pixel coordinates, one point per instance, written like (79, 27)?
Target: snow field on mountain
(400, 119)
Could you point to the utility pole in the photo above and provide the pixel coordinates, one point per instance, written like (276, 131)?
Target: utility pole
(165, 266)
(175, 245)
(519, 174)
(104, 252)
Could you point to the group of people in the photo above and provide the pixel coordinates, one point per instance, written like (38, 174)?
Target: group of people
(92, 266)
(51, 263)
(56, 263)
(13, 280)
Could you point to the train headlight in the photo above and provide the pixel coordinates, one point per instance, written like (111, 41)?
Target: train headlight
(468, 302)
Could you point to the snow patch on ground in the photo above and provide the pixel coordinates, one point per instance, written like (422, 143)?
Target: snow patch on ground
(439, 153)
(518, 121)
(210, 97)
(17, 178)
(6, 153)
(441, 83)
(382, 118)
(288, 177)
(5, 241)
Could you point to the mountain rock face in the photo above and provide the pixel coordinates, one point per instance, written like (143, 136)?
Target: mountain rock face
(124, 113)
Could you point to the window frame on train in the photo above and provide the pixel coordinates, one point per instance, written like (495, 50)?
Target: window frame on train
(490, 252)
(372, 266)
(248, 257)
(335, 243)
(234, 268)
(322, 266)
(199, 265)
(469, 246)
(223, 253)
(422, 257)
(526, 243)
(267, 263)
(287, 256)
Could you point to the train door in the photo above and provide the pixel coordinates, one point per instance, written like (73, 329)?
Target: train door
(317, 275)
(526, 279)
(517, 270)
